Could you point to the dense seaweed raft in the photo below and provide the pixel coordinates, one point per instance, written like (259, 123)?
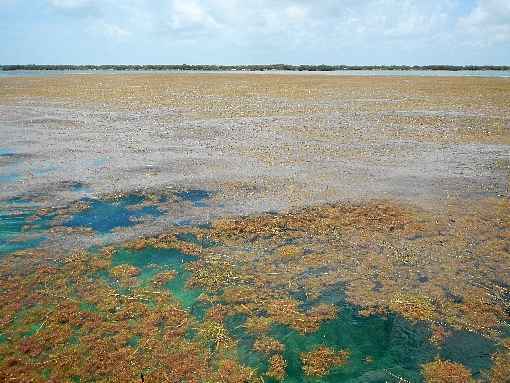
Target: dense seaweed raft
(159, 227)
(337, 292)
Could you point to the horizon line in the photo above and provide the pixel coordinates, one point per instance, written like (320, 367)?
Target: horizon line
(254, 67)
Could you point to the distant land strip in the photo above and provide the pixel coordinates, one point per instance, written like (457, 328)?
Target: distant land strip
(271, 67)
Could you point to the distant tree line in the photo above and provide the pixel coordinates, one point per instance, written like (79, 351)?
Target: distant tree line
(271, 67)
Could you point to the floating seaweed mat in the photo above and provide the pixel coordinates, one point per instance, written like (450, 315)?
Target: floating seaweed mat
(354, 348)
(347, 347)
(360, 349)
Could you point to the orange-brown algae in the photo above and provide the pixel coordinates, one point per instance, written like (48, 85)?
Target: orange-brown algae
(322, 359)
(277, 367)
(443, 371)
(268, 345)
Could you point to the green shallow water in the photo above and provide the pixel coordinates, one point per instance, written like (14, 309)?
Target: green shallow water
(396, 347)
(20, 227)
(152, 261)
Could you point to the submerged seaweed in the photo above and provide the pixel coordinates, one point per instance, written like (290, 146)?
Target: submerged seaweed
(325, 293)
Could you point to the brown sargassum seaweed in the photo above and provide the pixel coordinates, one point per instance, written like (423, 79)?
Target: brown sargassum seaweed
(320, 361)
(449, 270)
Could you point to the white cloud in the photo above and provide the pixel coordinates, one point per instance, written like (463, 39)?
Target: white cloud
(489, 12)
(190, 17)
(296, 13)
(70, 4)
(488, 23)
(111, 30)
(283, 28)
(326, 20)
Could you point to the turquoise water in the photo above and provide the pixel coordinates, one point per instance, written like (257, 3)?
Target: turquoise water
(20, 227)
(7, 173)
(8, 178)
(196, 196)
(387, 341)
(395, 346)
(152, 261)
(104, 216)
(6, 152)
(382, 348)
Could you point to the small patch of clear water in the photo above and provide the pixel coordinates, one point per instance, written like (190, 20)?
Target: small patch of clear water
(196, 196)
(20, 226)
(152, 261)
(104, 216)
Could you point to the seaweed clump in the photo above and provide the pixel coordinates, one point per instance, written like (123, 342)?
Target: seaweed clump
(322, 360)
(500, 371)
(287, 312)
(413, 307)
(443, 371)
(165, 241)
(125, 274)
(257, 325)
(215, 335)
(211, 275)
(277, 366)
(230, 371)
(268, 345)
(164, 277)
(125, 271)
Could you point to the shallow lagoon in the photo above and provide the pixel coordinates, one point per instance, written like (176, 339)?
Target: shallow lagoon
(385, 348)
(93, 270)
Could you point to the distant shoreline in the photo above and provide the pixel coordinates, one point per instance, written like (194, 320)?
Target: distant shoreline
(251, 68)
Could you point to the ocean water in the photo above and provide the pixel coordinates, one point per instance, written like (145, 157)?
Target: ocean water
(151, 261)
(390, 73)
(20, 226)
(8, 160)
(104, 216)
(195, 196)
(396, 346)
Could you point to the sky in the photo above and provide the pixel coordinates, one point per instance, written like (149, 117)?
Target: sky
(353, 32)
